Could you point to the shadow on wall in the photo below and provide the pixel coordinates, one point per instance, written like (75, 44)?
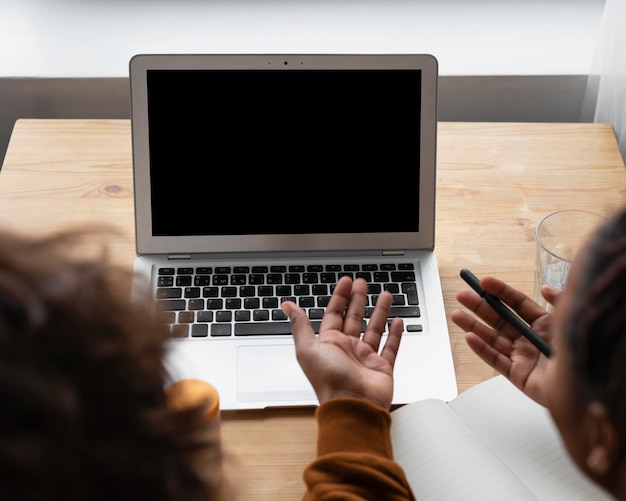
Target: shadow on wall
(460, 99)
(60, 98)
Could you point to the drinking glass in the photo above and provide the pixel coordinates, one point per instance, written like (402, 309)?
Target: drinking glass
(559, 235)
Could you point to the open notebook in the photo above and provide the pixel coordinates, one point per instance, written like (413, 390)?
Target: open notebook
(264, 177)
(490, 443)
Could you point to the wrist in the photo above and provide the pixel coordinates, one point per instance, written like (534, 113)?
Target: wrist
(343, 422)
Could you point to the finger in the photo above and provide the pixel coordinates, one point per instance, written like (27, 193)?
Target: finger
(495, 350)
(353, 316)
(490, 337)
(519, 302)
(492, 357)
(550, 294)
(477, 305)
(392, 345)
(303, 333)
(378, 321)
(333, 317)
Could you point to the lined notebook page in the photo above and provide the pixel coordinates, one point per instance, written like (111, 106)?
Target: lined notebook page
(489, 443)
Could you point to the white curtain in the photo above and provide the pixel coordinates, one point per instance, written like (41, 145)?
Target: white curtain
(605, 97)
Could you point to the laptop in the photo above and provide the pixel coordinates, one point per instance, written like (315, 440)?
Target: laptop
(260, 177)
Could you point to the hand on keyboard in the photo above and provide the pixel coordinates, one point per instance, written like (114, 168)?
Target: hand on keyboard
(339, 362)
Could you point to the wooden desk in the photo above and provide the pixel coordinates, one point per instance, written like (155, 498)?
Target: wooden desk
(494, 182)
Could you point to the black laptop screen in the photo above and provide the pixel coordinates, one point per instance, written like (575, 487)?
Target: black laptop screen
(236, 152)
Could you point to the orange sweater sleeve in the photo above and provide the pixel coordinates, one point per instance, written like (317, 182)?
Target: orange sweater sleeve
(354, 455)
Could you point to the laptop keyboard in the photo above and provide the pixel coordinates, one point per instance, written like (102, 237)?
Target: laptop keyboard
(224, 301)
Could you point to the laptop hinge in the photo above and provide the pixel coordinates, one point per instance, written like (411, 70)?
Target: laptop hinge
(393, 253)
(178, 257)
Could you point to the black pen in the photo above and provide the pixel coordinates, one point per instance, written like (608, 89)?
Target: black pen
(507, 314)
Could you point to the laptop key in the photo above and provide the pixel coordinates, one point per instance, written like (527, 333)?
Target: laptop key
(316, 313)
(253, 303)
(301, 290)
(183, 280)
(169, 293)
(306, 302)
(220, 330)
(205, 316)
(411, 292)
(262, 328)
(403, 276)
(319, 289)
(196, 304)
(270, 302)
(397, 311)
(261, 315)
(278, 315)
(322, 301)
(199, 330)
(328, 278)
(167, 281)
(214, 304)
(256, 279)
(171, 304)
(268, 328)
(391, 287)
(180, 330)
(398, 300)
(404, 311)
(242, 316)
(185, 317)
(233, 303)
(223, 316)
(167, 317)
(192, 292)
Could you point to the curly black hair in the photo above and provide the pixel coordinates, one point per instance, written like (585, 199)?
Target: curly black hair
(83, 410)
(596, 327)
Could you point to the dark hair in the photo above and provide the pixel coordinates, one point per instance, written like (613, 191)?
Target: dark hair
(83, 411)
(596, 329)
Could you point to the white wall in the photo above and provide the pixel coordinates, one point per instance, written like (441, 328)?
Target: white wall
(499, 60)
(96, 38)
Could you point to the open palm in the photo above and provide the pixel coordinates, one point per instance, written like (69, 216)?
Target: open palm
(498, 343)
(340, 362)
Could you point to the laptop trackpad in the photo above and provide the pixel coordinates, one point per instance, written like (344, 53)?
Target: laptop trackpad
(271, 373)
